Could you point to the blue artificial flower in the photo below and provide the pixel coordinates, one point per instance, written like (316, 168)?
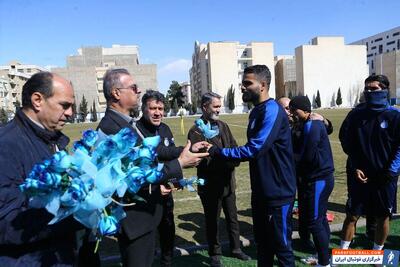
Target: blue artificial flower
(125, 139)
(89, 137)
(60, 161)
(76, 192)
(108, 225)
(206, 129)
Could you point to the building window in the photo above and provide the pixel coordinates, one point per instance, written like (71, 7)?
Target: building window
(245, 65)
(374, 47)
(380, 49)
(389, 43)
(398, 44)
(379, 39)
(245, 53)
(28, 70)
(372, 64)
(396, 33)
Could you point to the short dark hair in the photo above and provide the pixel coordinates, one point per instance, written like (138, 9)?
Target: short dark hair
(152, 95)
(382, 79)
(261, 72)
(111, 79)
(206, 99)
(41, 82)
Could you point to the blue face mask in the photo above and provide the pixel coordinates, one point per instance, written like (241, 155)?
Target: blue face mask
(377, 100)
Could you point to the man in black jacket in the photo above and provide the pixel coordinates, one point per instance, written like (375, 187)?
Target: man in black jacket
(137, 236)
(218, 191)
(32, 136)
(150, 124)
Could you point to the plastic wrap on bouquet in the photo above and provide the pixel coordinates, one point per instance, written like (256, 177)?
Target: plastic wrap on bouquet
(187, 183)
(206, 129)
(82, 184)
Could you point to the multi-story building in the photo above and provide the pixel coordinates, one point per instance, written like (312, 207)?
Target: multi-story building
(326, 65)
(187, 92)
(218, 66)
(13, 76)
(285, 76)
(383, 58)
(378, 44)
(87, 68)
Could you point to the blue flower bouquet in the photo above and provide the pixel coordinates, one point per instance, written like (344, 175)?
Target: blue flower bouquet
(84, 183)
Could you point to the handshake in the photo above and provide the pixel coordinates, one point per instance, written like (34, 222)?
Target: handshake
(193, 154)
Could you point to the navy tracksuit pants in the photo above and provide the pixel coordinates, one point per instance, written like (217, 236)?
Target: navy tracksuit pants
(273, 233)
(313, 201)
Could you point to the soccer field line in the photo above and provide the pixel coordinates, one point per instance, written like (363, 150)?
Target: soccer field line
(198, 198)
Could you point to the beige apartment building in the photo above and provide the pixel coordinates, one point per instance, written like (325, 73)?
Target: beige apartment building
(218, 66)
(389, 65)
(12, 78)
(382, 57)
(285, 76)
(327, 64)
(87, 68)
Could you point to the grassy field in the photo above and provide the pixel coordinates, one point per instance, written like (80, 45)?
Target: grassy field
(189, 217)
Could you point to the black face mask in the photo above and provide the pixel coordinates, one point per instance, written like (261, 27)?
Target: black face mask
(377, 100)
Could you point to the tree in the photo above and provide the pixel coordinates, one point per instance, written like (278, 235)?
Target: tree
(318, 100)
(339, 98)
(93, 112)
(3, 116)
(194, 107)
(17, 105)
(231, 98)
(175, 93)
(174, 106)
(83, 109)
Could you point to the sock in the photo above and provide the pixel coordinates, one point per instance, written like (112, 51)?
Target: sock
(344, 244)
(377, 247)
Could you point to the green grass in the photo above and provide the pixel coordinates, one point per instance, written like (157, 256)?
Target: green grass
(188, 211)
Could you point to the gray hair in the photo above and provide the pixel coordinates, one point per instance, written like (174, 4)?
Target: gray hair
(206, 99)
(111, 79)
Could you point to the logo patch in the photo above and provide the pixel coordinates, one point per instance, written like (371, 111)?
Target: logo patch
(384, 124)
(166, 141)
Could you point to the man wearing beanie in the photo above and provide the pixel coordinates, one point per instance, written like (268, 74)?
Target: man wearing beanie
(370, 137)
(314, 169)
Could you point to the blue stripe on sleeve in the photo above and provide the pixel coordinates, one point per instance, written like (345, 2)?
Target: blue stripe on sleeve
(256, 142)
(319, 187)
(307, 129)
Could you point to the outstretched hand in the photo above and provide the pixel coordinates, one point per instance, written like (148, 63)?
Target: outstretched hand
(189, 159)
(201, 146)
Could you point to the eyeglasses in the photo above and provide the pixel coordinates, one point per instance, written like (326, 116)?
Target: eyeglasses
(133, 87)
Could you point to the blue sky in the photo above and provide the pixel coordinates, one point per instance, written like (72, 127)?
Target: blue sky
(44, 32)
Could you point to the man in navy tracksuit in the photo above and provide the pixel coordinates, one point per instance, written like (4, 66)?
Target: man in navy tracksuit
(314, 170)
(371, 139)
(272, 171)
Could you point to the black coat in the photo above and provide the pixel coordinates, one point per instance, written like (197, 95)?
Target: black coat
(144, 216)
(25, 230)
(219, 173)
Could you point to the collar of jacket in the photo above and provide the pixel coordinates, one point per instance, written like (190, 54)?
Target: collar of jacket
(47, 136)
(148, 126)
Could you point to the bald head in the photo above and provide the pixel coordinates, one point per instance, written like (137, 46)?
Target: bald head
(284, 102)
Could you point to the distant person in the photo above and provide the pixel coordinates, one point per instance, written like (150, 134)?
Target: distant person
(218, 192)
(26, 238)
(314, 171)
(284, 102)
(137, 235)
(370, 136)
(272, 170)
